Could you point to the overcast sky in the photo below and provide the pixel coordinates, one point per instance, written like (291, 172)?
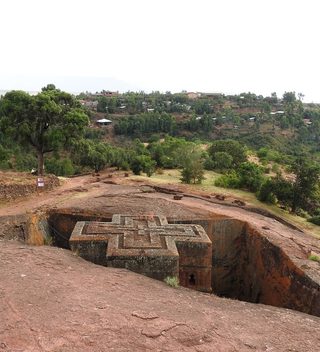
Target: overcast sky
(228, 46)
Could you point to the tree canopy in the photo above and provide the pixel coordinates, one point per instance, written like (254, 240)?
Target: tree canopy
(45, 121)
(231, 147)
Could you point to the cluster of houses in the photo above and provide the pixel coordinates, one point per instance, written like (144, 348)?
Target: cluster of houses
(92, 104)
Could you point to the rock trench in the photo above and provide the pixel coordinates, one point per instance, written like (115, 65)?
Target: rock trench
(246, 265)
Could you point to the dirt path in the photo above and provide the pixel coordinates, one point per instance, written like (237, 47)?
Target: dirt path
(52, 198)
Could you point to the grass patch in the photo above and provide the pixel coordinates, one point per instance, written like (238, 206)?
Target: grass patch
(172, 281)
(48, 241)
(314, 257)
(173, 177)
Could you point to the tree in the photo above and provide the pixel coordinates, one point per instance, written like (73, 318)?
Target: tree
(306, 185)
(250, 176)
(45, 122)
(192, 164)
(92, 154)
(289, 97)
(121, 158)
(301, 96)
(273, 99)
(193, 171)
(49, 87)
(231, 147)
(170, 153)
(222, 161)
(276, 189)
(143, 163)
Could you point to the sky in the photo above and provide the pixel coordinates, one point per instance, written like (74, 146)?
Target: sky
(226, 46)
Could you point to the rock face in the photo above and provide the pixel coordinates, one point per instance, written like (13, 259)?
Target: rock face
(274, 278)
(248, 266)
(63, 221)
(51, 300)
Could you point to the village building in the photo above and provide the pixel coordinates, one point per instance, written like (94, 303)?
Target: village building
(104, 122)
(192, 95)
(307, 122)
(90, 104)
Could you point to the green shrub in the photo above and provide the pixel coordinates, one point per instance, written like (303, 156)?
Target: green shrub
(209, 164)
(276, 189)
(124, 165)
(94, 134)
(236, 150)
(60, 167)
(48, 241)
(262, 152)
(316, 212)
(4, 158)
(172, 281)
(302, 213)
(222, 161)
(5, 165)
(314, 257)
(143, 163)
(192, 172)
(250, 176)
(269, 155)
(275, 168)
(230, 180)
(315, 220)
(25, 162)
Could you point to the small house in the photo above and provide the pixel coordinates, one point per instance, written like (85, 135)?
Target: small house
(104, 122)
(307, 122)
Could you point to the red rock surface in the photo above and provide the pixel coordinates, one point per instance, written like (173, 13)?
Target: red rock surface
(51, 300)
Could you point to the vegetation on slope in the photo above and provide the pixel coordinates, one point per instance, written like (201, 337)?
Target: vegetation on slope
(265, 145)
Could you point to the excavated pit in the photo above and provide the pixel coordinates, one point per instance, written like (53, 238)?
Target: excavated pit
(61, 225)
(245, 264)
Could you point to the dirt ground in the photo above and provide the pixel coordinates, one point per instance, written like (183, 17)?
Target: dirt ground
(51, 300)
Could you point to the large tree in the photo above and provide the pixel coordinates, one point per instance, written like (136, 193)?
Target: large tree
(306, 185)
(192, 164)
(46, 121)
(231, 147)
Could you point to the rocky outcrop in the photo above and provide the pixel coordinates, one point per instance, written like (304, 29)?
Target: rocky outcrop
(255, 258)
(270, 276)
(62, 222)
(246, 265)
(52, 300)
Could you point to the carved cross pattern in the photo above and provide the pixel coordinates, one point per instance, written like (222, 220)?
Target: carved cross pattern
(148, 245)
(126, 232)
